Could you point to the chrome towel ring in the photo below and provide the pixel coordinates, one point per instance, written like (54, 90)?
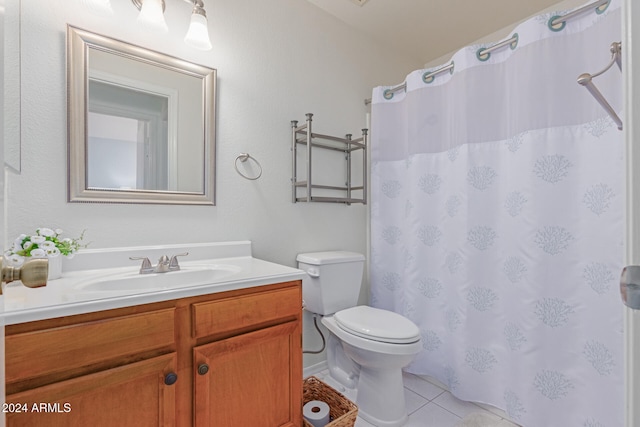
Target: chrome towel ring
(243, 157)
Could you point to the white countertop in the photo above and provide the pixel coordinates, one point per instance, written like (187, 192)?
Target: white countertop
(66, 296)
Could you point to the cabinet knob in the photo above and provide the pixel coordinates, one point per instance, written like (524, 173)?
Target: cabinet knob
(203, 369)
(171, 378)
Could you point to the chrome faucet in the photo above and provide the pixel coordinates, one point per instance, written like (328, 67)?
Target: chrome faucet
(146, 266)
(173, 262)
(164, 264)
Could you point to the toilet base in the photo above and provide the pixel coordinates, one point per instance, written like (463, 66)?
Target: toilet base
(381, 406)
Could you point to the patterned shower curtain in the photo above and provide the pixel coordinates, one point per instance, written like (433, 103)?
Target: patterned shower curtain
(497, 220)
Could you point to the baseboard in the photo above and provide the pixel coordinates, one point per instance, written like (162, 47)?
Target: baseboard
(314, 369)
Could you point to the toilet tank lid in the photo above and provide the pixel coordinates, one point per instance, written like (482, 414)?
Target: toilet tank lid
(329, 257)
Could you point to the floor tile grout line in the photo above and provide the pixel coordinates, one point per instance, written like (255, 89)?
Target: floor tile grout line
(440, 394)
(428, 401)
(423, 396)
(420, 407)
(449, 411)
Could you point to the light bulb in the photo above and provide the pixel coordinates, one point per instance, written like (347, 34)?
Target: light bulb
(198, 33)
(152, 16)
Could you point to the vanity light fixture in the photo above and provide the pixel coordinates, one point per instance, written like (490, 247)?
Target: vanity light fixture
(198, 33)
(152, 17)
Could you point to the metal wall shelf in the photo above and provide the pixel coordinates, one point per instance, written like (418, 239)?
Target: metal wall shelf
(345, 145)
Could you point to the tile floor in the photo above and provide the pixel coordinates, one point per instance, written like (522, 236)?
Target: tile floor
(428, 404)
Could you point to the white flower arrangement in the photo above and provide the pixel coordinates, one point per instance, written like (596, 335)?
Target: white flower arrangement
(45, 243)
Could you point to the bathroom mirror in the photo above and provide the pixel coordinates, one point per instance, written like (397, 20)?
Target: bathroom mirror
(140, 124)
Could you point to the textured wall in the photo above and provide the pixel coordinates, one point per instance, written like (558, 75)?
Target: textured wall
(276, 60)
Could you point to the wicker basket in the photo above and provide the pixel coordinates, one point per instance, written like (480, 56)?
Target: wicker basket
(342, 411)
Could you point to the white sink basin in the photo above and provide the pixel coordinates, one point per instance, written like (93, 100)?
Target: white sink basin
(133, 281)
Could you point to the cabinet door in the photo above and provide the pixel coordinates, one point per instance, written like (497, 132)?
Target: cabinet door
(133, 395)
(253, 379)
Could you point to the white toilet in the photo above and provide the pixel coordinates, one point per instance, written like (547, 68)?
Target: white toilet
(367, 347)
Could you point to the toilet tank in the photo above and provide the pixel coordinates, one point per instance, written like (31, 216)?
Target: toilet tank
(333, 280)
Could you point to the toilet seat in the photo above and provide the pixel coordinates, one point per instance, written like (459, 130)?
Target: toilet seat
(377, 324)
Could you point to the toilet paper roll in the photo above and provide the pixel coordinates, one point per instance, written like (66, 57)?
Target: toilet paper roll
(316, 412)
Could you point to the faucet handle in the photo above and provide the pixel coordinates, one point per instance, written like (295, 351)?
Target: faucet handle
(173, 264)
(146, 264)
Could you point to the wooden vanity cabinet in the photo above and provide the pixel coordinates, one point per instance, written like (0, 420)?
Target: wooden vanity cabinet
(226, 359)
(134, 394)
(252, 378)
(99, 369)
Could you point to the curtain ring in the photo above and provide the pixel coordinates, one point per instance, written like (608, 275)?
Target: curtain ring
(243, 157)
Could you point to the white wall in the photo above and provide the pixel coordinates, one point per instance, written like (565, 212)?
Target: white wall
(506, 32)
(276, 61)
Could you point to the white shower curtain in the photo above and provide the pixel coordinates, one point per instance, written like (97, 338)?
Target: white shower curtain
(497, 219)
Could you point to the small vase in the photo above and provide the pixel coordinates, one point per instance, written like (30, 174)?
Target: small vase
(55, 267)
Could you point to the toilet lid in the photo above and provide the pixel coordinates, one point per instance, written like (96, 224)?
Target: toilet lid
(377, 324)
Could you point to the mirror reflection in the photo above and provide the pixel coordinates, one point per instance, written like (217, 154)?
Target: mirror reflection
(141, 124)
(127, 140)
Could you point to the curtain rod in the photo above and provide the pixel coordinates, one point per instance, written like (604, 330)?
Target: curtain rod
(426, 77)
(393, 90)
(483, 53)
(561, 20)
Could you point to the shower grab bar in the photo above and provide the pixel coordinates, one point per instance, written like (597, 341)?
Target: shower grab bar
(586, 80)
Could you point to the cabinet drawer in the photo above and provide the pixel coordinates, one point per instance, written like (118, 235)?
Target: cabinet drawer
(76, 347)
(243, 312)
